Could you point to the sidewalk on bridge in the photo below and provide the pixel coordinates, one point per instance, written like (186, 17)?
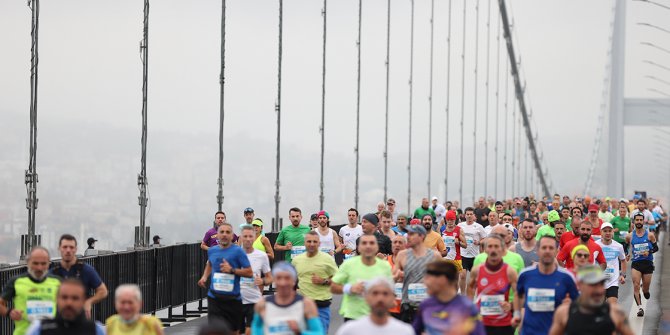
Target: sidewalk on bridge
(664, 322)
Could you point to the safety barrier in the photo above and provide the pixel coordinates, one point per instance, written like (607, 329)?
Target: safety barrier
(168, 277)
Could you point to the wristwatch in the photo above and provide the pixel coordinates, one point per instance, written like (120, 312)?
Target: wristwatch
(326, 281)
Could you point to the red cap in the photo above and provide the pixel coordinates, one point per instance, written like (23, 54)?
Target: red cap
(415, 221)
(451, 215)
(593, 208)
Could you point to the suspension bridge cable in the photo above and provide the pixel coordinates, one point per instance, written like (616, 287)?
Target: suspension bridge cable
(278, 110)
(474, 133)
(31, 178)
(507, 78)
(142, 178)
(323, 103)
(446, 163)
(386, 126)
(460, 188)
(411, 76)
(430, 96)
(495, 191)
(486, 131)
(358, 99)
(514, 193)
(525, 169)
(222, 78)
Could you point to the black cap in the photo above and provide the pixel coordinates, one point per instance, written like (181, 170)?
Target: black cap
(372, 218)
(91, 240)
(156, 238)
(248, 210)
(313, 217)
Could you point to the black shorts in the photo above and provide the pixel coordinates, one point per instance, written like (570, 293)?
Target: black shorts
(247, 315)
(505, 330)
(228, 310)
(646, 267)
(612, 292)
(467, 263)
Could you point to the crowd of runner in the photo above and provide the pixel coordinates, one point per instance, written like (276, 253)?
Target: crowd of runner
(524, 265)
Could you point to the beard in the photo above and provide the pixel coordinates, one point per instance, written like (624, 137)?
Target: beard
(34, 275)
(639, 226)
(584, 237)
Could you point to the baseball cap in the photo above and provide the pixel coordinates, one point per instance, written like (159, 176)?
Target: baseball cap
(91, 240)
(451, 215)
(553, 216)
(372, 218)
(390, 200)
(257, 222)
(434, 198)
(590, 274)
(248, 210)
(593, 208)
(417, 229)
(415, 222)
(313, 217)
(606, 225)
(324, 213)
(156, 238)
(637, 196)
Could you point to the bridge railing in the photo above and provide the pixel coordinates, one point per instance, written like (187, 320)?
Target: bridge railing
(167, 276)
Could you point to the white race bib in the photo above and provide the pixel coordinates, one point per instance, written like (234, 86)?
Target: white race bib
(640, 248)
(469, 240)
(541, 299)
(297, 250)
(417, 292)
(39, 309)
(397, 288)
(609, 272)
(623, 234)
(279, 327)
(223, 282)
(326, 250)
(449, 241)
(247, 282)
(490, 304)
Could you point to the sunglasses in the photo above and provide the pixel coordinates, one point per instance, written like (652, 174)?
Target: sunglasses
(578, 255)
(507, 219)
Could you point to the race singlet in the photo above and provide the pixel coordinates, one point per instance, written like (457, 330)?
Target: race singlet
(223, 282)
(490, 304)
(541, 299)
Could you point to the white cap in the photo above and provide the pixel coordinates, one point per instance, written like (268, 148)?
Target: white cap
(434, 198)
(606, 225)
(623, 200)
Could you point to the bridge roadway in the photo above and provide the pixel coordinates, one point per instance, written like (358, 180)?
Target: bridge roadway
(655, 308)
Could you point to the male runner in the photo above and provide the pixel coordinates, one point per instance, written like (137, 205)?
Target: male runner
(643, 245)
(251, 288)
(615, 274)
(291, 238)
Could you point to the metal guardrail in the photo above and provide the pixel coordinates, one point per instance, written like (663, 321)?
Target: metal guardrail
(168, 277)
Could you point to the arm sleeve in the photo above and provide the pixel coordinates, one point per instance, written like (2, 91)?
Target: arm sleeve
(314, 327)
(257, 325)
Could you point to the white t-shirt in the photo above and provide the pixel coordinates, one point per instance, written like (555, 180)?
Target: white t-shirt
(365, 326)
(260, 264)
(349, 235)
(472, 232)
(613, 253)
(440, 212)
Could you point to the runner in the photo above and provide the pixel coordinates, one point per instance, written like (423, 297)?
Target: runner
(595, 221)
(473, 233)
(210, 236)
(541, 289)
(511, 258)
(642, 208)
(590, 313)
(410, 267)
(379, 296)
(439, 210)
(291, 238)
(643, 245)
(328, 239)
(527, 245)
(401, 224)
(482, 212)
(390, 205)
(314, 221)
(508, 221)
(71, 317)
(615, 273)
(370, 225)
(424, 209)
(70, 267)
(559, 230)
(129, 319)
(433, 239)
(33, 294)
(350, 233)
(445, 311)
(398, 244)
(261, 242)
(248, 215)
(315, 271)
(251, 288)
(286, 312)
(580, 258)
(493, 221)
(351, 277)
(226, 263)
(572, 228)
(492, 283)
(385, 223)
(453, 239)
(585, 239)
(548, 227)
(604, 214)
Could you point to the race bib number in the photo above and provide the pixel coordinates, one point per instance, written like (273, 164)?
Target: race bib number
(623, 234)
(449, 241)
(297, 250)
(417, 292)
(397, 289)
(541, 299)
(223, 282)
(247, 282)
(610, 253)
(324, 249)
(490, 304)
(279, 328)
(39, 309)
(609, 272)
(469, 240)
(640, 248)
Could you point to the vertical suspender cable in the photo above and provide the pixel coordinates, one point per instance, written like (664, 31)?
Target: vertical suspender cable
(514, 147)
(386, 126)
(31, 174)
(430, 96)
(358, 98)
(518, 154)
(142, 178)
(505, 194)
(474, 133)
(525, 169)
(219, 196)
(411, 76)
(323, 103)
(446, 154)
(278, 110)
(460, 188)
(495, 190)
(488, 67)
